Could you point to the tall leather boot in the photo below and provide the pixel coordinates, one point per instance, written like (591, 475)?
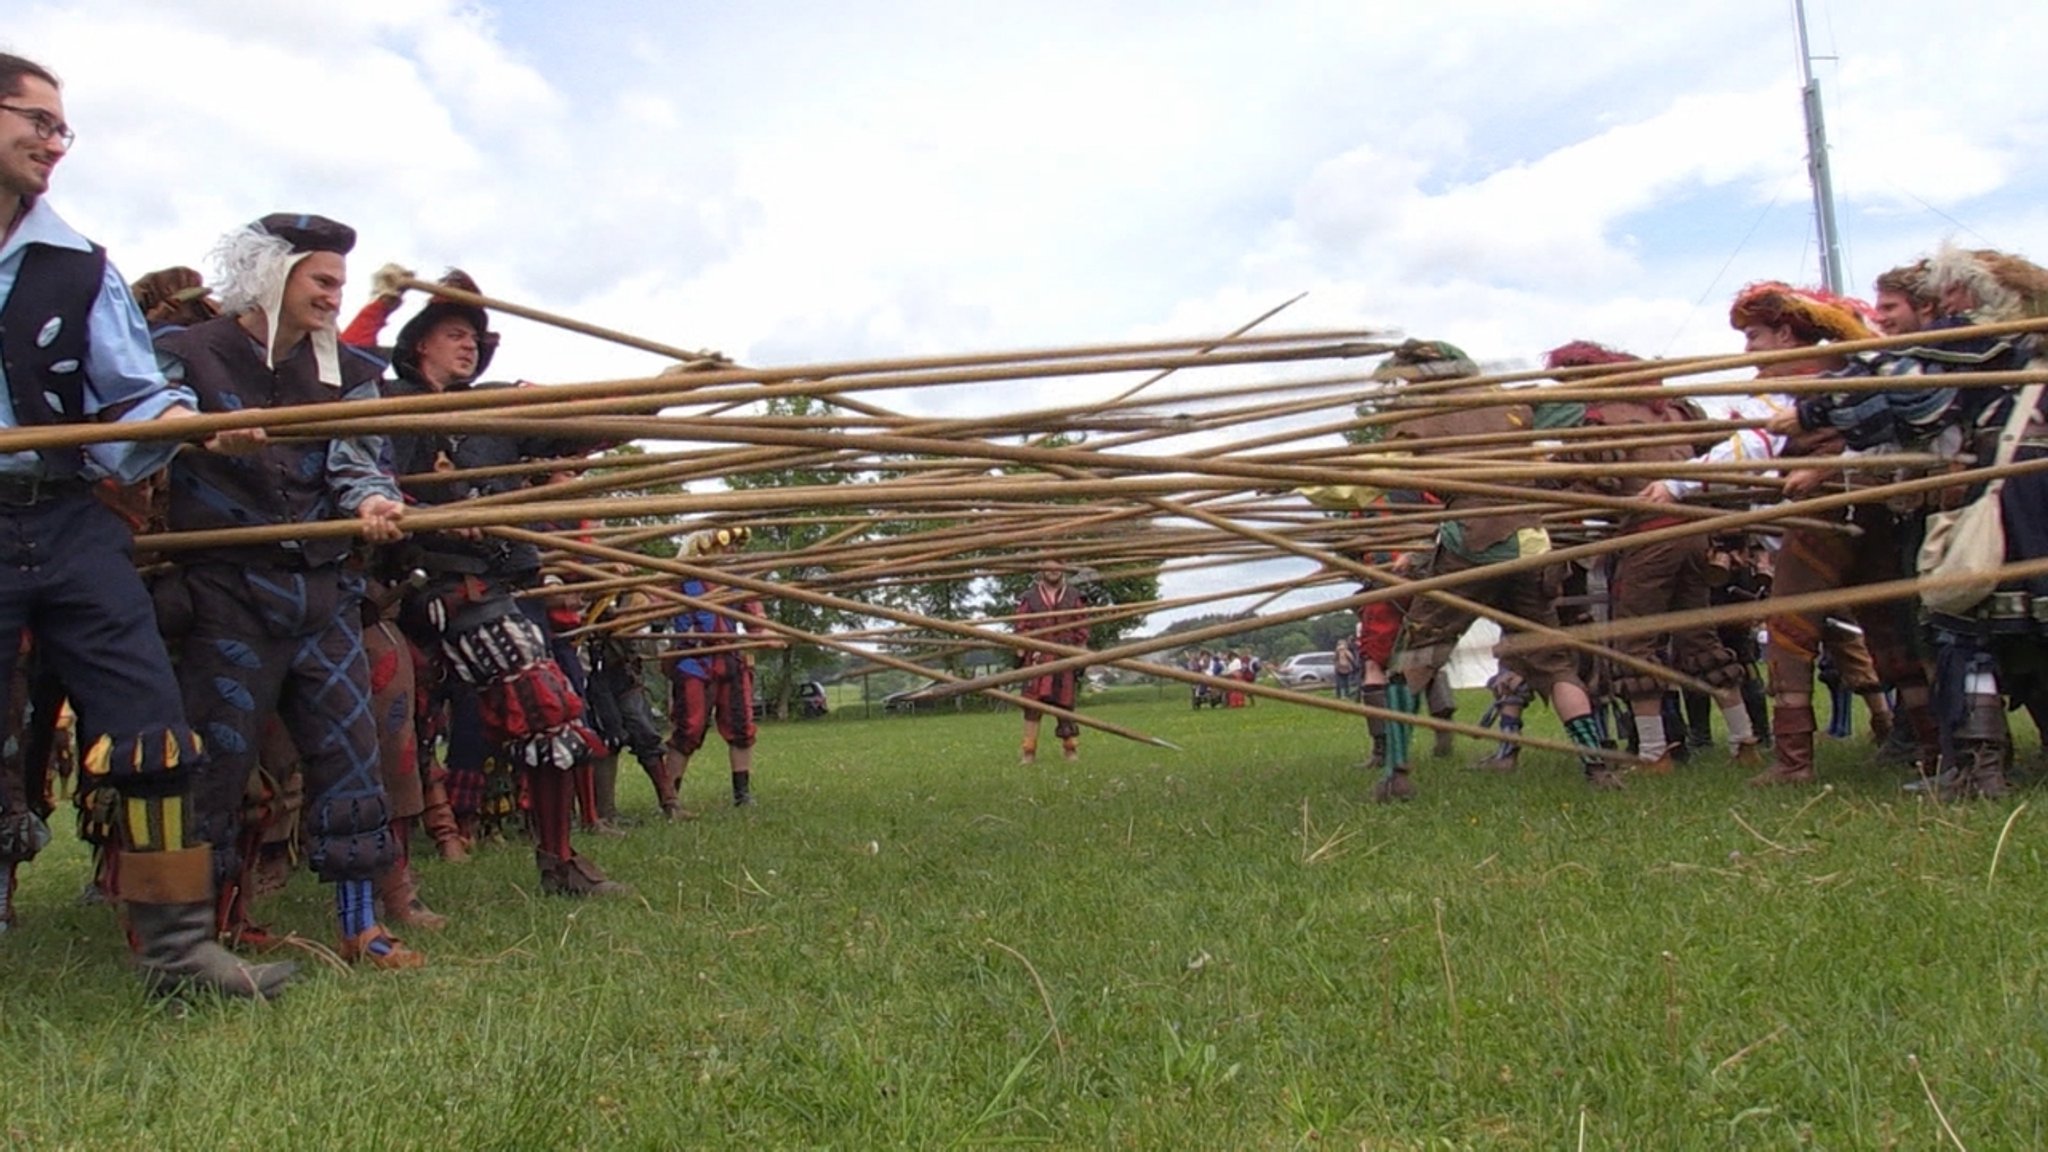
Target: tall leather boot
(398, 896)
(398, 887)
(1792, 729)
(170, 905)
(438, 818)
(668, 782)
(1924, 735)
(1982, 746)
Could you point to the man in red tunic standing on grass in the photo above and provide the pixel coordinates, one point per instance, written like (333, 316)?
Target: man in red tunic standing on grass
(1051, 610)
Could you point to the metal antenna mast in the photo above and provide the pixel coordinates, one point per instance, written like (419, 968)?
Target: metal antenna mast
(1817, 163)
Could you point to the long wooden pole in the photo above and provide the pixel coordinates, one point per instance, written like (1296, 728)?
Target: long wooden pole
(1728, 522)
(1166, 671)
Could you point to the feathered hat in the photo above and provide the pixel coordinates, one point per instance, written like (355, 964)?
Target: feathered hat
(1814, 316)
(2007, 287)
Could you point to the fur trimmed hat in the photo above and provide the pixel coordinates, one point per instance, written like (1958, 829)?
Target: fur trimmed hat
(1814, 316)
(174, 296)
(2007, 287)
(405, 354)
(1425, 360)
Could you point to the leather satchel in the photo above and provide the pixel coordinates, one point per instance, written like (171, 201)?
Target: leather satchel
(1966, 547)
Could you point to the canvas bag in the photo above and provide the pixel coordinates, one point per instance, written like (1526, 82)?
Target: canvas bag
(1971, 539)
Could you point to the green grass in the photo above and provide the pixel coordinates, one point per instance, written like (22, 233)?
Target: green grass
(914, 941)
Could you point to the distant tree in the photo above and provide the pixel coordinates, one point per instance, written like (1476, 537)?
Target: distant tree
(789, 533)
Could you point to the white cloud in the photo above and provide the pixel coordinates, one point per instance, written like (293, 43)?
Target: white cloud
(813, 181)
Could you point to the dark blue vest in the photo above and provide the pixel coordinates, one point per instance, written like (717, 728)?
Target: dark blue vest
(44, 339)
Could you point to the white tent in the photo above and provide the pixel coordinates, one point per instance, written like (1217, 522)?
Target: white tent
(1472, 663)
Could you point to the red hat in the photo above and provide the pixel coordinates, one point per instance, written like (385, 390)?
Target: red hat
(1585, 354)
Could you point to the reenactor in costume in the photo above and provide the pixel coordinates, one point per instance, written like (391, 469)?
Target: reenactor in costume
(1777, 317)
(275, 628)
(74, 348)
(462, 612)
(716, 687)
(1479, 536)
(1651, 579)
(1052, 610)
(621, 713)
(1998, 637)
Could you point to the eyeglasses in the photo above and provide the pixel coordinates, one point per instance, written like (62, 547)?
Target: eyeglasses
(46, 126)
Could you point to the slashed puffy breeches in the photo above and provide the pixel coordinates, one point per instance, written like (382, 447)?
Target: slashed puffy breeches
(1826, 561)
(726, 698)
(288, 642)
(67, 576)
(1670, 576)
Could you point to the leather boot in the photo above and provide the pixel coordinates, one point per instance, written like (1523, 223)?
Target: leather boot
(1979, 774)
(667, 784)
(398, 900)
(1925, 732)
(1446, 742)
(1792, 731)
(233, 925)
(170, 907)
(1394, 786)
(1982, 745)
(575, 877)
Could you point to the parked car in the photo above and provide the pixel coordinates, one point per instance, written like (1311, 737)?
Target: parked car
(808, 703)
(1308, 671)
(910, 699)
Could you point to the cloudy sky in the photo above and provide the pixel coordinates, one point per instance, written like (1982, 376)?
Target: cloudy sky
(811, 181)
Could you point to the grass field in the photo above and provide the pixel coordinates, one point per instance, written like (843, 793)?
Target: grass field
(914, 941)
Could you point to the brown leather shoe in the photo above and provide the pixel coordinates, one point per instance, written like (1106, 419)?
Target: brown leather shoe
(576, 877)
(1749, 754)
(1394, 786)
(1661, 766)
(393, 957)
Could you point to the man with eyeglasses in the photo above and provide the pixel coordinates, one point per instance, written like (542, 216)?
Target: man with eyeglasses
(74, 349)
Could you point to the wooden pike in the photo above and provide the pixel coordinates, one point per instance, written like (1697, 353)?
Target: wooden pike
(949, 685)
(1726, 523)
(824, 641)
(1827, 600)
(640, 394)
